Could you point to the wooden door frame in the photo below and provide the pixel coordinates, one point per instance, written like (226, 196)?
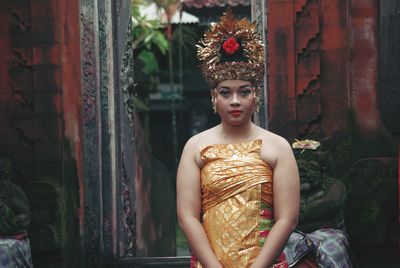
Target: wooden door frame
(108, 224)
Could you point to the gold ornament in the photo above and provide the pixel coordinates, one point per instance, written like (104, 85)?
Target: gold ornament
(214, 104)
(231, 50)
(213, 101)
(305, 145)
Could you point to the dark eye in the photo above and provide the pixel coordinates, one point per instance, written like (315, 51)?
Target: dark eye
(245, 91)
(224, 93)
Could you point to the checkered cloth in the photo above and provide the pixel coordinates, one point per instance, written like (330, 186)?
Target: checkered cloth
(15, 253)
(329, 246)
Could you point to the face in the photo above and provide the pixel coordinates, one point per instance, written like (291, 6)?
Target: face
(235, 101)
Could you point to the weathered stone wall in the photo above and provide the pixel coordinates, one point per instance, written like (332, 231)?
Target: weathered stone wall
(39, 119)
(323, 78)
(31, 122)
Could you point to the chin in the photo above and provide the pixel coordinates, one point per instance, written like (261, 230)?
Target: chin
(236, 123)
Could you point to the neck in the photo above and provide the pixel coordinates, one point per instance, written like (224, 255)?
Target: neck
(237, 133)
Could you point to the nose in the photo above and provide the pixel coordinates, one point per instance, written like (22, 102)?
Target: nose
(235, 100)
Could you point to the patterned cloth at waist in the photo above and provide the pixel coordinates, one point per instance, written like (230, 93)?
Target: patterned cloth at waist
(15, 253)
(330, 247)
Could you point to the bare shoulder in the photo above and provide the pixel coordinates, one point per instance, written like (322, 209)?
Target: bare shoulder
(201, 138)
(273, 146)
(196, 142)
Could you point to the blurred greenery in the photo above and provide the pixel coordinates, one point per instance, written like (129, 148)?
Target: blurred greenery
(148, 36)
(150, 62)
(181, 241)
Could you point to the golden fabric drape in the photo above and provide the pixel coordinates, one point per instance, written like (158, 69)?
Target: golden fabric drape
(234, 181)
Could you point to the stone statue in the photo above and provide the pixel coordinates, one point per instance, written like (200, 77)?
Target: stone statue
(14, 209)
(320, 239)
(322, 197)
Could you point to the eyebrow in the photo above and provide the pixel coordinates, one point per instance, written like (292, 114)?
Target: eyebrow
(241, 87)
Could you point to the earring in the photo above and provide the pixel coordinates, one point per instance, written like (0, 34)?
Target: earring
(214, 104)
(213, 100)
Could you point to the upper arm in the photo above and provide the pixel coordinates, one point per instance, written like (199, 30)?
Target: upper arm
(188, 184)
(286, 184)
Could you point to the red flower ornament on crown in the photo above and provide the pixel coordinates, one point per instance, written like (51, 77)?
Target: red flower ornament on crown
(230, 46)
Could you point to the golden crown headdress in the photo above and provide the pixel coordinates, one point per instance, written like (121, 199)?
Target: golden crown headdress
(231, 50)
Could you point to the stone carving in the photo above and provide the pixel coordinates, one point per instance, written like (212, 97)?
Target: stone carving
(88, 70)
(127, 183)
(129, 218)
(126, 78)
(14, 208)
(320, 237)
(44, 198)
(104, 60)
(106, 84)
(90, 77)
(322, 197)
(307, 49)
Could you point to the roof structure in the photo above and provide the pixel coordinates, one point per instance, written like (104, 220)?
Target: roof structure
(209, 11)
(215, 3)
(152, 12)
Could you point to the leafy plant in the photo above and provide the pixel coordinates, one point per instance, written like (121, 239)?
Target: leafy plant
(147, 36)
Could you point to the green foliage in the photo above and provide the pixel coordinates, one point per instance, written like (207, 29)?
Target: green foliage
(181, 241)
(150, 62)
(147, 37)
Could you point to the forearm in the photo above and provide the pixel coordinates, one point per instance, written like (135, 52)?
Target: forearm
(274, 243)
(198, 242)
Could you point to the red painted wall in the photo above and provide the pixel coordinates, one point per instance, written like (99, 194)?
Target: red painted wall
(308, 70)
(323, 76)
(40, 112)
(281, 68)
(363, 64)
(323, 67)
(70, 82)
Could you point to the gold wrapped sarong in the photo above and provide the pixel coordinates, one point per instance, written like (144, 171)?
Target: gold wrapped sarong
(234, 182)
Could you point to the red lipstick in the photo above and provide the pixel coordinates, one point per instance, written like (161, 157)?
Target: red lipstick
(235, 112)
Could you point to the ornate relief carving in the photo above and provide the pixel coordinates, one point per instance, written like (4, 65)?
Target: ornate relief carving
(104, 62)
(307, 66)
(20, 22)
(106, 75)
(129, 217)
(21, 73)
(96, 64)
(127, 94)
(126, 78)
(91, 151)
(91, 236)
(88, 69)
(20, 128)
